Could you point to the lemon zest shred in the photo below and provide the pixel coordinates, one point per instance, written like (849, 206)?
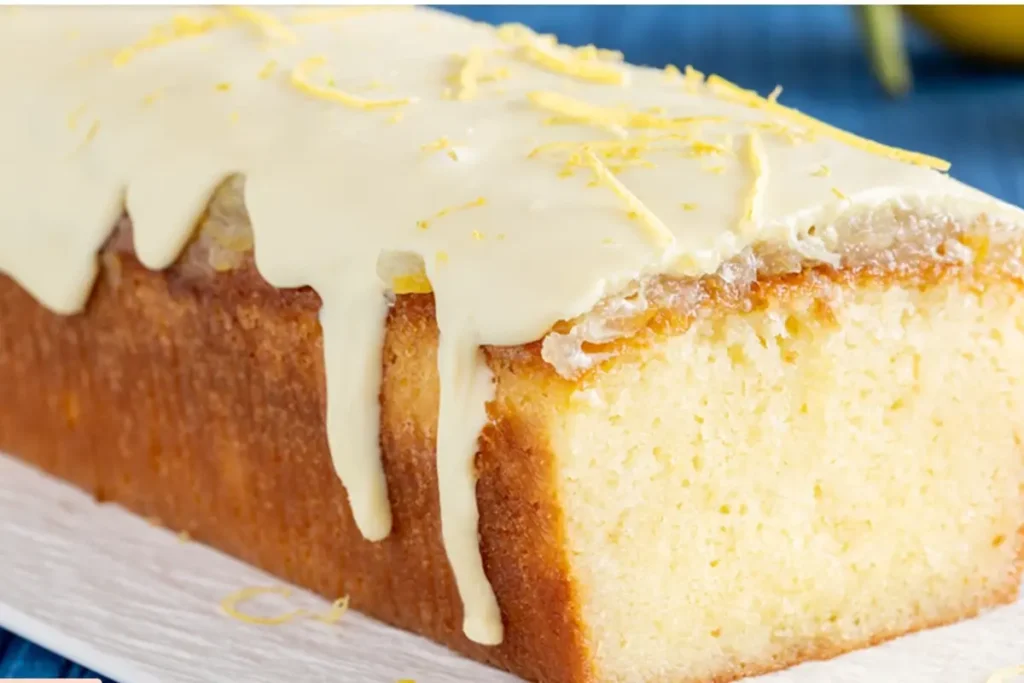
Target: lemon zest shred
(337, 611)
(689, 206)
(425, 223)
(223, 87)
(584, 63)
(654, 228)
(754, 200)
(517, 34)
(268, 70)
(91, 133)
(180, 27)
(270, 25)
(823, 172)
(626, 153)
(692, 78)
(564, 146)
(585, 70)
(231, 603)
(75, 115)
(396, 117)
(183, 26)
(838, 193)
(441, 143)
(735, 93)
(717, 170)
(588, 52)
(702, 148)
(469, 74)
(441, 257)
(578, 111)
(592, 52)
(300, 79)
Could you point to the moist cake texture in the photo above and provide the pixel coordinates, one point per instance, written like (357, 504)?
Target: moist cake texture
(623, 374)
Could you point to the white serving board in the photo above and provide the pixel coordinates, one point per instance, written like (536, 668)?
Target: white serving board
(132, 601)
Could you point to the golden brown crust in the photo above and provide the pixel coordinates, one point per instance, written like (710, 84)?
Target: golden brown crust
(203, 407)
(199, 400)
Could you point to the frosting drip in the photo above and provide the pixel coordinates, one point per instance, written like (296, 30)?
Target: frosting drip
(519, 180)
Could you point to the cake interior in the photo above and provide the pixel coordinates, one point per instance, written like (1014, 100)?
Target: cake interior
(837, 467)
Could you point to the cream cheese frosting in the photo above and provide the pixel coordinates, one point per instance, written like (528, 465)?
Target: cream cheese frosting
(396, 149)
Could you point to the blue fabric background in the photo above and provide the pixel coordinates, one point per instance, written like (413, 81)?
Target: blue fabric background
(970, 115)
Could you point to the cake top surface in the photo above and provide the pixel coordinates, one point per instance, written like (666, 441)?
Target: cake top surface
(409, 131)
(394, 149)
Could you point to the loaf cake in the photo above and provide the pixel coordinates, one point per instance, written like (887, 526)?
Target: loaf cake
(589, 371)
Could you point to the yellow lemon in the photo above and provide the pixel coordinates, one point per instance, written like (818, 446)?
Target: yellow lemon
(991, 32)
(994, 32)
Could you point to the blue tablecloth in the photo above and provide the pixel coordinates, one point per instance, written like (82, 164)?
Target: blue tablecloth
(968, 114)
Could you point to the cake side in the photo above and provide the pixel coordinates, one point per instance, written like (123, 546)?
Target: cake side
(198, 401)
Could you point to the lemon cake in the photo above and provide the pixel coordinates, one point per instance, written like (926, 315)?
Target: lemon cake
(593, 372)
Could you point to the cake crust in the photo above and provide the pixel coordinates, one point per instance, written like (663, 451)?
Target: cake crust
(203, 408)
(198, 399)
